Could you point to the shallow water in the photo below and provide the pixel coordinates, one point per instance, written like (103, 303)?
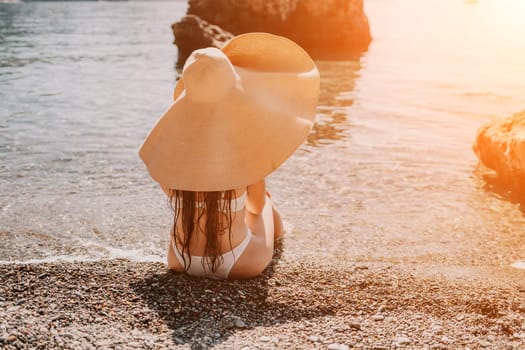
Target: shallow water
(387, 174)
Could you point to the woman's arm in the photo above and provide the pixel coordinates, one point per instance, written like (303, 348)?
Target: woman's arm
(256, 197)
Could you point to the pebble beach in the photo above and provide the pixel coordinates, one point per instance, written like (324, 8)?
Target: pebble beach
(294, 305)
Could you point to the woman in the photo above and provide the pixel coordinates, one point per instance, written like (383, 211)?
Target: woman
(239, 112)
(211, 224)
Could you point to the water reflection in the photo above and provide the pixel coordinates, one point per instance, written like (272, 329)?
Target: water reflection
(337, 85)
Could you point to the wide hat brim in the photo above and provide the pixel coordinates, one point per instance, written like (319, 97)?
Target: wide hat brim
(249, 133)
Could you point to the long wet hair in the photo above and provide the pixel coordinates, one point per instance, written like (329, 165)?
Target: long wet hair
(209, 213)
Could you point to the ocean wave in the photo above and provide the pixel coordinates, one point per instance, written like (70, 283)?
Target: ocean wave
(84, 258)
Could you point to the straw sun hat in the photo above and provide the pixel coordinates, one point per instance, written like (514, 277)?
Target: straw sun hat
(238, 114)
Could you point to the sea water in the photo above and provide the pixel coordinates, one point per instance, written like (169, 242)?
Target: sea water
(389, 162)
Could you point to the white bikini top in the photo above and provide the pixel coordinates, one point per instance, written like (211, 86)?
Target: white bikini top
(237, 204)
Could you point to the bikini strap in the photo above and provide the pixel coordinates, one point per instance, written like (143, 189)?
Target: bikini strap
(237, 204)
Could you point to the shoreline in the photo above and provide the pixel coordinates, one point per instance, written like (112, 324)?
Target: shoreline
(121, 304)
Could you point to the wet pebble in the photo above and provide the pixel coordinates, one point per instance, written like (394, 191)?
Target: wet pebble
(239, 323)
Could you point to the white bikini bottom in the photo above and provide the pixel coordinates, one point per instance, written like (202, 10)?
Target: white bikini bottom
(229, 258)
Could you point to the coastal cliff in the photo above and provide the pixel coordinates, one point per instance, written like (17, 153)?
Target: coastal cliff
(500, 145)
(331, 29)
(192, 33)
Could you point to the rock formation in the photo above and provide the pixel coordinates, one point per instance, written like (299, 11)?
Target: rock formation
(328, 29)
(500, 145)
(192, 33)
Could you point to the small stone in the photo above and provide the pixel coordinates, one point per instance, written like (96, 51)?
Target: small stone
(135, 344)
(334, 346)
(265, 338)
(484, 344)
(402, 340)
(355, 325)
(246, 348)
(343, 347)
(437, 329)
(13, 309)
(378, 317)
(313, 338)
(445, 340)
(379, 347)
(239, 324)
(11, 338)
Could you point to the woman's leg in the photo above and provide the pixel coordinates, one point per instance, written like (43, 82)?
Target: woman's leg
(259, 252)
